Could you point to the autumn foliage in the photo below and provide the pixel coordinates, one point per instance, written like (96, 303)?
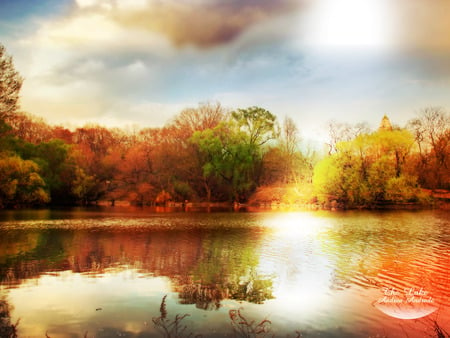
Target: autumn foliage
(211, 153)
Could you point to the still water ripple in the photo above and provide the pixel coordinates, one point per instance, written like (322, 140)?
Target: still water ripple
(321, 273)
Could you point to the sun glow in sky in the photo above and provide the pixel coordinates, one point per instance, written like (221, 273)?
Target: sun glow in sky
(141, 62)
(350, 24)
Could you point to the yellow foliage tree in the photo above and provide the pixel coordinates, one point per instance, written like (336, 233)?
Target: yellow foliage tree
(20, 183)
(368, 170)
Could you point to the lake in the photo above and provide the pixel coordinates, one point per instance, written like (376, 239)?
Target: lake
(112, 272)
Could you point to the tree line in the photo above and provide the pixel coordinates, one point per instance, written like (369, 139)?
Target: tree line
(211, 153)
(389, 165)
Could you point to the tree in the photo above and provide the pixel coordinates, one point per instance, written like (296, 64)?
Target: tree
(92, 149)
(338, 177)
(189, 181)
(368, 170)
(233, 151)
(98, 139)
(289, 136)
(395, 143)
(57, 168)
(29, 128)
(135, 176)
(284, 163)
(20, 183)
(10, 84)
(205, 116)
(339, 132)
(431, 130)
(258, 124)
(227, 157)
(85, 187)
(258, 127)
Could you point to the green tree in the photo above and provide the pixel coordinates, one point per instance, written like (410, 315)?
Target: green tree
(258, 124)
(233, 151)
(227, 157)
(56, 164)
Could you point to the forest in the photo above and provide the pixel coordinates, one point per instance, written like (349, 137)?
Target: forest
(212, 153)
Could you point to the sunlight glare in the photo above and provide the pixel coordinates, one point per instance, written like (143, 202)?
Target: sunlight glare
(301, 224)
(303, 275)
(349, 23)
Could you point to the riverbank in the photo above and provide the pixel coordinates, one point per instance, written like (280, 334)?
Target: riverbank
(293, 197)
(284, 198)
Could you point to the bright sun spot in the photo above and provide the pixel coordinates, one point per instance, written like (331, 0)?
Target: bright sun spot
(349, 23)
(296, 224)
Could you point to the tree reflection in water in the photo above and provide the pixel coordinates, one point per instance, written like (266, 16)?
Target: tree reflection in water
(7, 328)
(252, 288)
(225, 270)
(204, 267)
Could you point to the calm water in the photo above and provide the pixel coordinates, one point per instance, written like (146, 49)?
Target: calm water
(106, 271)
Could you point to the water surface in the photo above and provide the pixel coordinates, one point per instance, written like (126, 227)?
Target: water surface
(106, 271)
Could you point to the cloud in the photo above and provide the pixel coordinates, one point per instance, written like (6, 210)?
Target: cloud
(82, 101)
(198, 23)
(141, 61)
(94, 31)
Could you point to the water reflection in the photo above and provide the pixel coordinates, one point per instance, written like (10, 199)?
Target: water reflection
(409, 254)
(319, 272)
(7, 327)
(203, 266)
(323, 260)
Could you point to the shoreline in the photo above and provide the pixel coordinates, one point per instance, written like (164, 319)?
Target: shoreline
(245, 207)
(277, 199)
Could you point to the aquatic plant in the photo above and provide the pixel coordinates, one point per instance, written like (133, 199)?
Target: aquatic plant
(242, 327)
(7, 328)
(171, 328)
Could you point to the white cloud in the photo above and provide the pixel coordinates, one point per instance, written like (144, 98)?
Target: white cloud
(90, 66)
(95, 31)
(87, 3)
(137, 67)
(85, 67)
(131, 4)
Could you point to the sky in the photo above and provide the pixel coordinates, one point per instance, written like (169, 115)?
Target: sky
(140, 62)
